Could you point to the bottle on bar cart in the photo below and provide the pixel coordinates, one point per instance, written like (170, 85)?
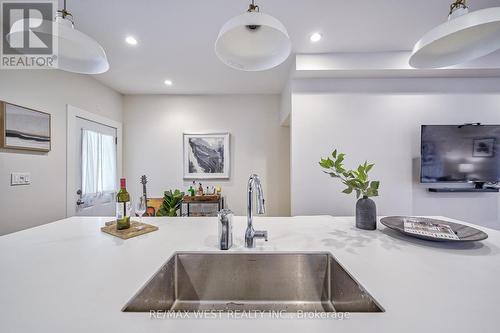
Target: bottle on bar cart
(122, 207)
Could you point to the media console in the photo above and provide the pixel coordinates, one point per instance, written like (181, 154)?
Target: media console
(465, 189)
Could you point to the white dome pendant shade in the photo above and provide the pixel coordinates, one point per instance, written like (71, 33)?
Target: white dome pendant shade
(253, 41)
(465, 37)
(76, 52)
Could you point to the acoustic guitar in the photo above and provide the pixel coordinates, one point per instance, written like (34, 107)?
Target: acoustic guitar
(150, 211)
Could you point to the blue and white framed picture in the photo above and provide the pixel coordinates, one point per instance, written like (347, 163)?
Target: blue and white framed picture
(206, 155)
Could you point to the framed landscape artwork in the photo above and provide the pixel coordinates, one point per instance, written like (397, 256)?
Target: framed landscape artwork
(23, 128)
(206, 156)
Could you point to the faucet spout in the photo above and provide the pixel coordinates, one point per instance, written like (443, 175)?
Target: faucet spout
(250, 234)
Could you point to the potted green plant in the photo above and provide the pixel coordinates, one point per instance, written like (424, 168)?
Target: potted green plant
(357, 181)
(172, 201)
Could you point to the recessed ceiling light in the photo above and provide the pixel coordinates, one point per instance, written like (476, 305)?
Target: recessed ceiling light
(131, 40)
(168, 82)
(316, 37)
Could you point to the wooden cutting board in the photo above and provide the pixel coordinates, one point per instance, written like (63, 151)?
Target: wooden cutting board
(136, 229)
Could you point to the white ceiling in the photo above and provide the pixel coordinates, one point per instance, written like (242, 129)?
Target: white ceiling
(176, 37)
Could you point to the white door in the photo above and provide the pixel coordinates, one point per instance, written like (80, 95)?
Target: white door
(95, 168)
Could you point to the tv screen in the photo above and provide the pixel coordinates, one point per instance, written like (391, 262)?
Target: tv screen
(460, 153)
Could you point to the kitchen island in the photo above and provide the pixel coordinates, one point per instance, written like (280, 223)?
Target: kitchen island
(68, 276)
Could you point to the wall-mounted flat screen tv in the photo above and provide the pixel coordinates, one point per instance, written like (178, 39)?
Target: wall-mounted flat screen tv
(460, 153)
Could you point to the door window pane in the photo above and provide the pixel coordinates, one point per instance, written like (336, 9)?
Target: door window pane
(98, 163)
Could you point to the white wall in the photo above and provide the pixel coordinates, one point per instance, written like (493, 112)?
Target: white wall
(379, 120)
(286, 104)
(153, 144)
(49, 91)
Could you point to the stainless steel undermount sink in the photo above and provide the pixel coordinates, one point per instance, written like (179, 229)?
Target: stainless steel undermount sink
(285, 282)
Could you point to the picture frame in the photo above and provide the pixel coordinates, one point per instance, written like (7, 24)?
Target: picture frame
(484, 147)
(206, 155)
(23, 128)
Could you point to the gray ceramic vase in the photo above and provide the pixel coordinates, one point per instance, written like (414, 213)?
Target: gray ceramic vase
(366, 214)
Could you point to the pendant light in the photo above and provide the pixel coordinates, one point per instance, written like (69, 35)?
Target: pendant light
(75, 51)
(466, 36)
(253, 41)
(78, 52)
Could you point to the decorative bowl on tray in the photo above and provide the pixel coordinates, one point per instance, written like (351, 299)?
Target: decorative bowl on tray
(433, 229)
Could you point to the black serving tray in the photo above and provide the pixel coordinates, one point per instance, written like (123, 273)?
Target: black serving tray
(464, 232)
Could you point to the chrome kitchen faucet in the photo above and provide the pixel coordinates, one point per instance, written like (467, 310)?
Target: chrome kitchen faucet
(251, 234)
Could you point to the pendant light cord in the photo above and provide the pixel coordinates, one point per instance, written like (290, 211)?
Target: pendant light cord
(457, 5)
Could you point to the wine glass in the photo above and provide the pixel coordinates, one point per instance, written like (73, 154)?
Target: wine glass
(140, 207)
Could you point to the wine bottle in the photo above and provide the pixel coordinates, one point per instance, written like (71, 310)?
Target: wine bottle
(122, 207)
(191, 191)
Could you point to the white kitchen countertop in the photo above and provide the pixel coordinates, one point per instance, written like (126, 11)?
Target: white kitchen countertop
(70, 277)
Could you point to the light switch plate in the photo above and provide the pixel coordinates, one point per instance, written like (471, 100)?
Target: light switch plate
(20, 178)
